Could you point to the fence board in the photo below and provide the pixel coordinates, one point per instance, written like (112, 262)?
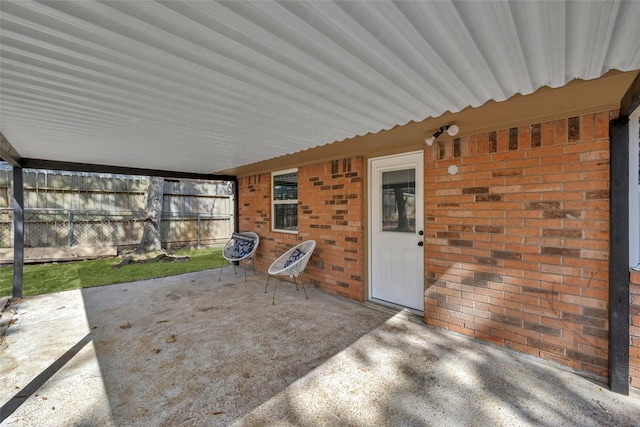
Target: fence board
(82, 209)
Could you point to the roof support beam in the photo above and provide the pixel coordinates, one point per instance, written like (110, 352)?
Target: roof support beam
(89, 167)
(8, 153)
(631, 99)
(634, 189)
(619, 258)
(236, 207)
(18, 231)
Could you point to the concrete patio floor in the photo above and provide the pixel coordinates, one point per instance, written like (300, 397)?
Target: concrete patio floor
(191, 350)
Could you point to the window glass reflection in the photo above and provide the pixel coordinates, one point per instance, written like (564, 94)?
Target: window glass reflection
(399, 201)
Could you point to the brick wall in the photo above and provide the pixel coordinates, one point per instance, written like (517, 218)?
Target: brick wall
(634, 349)
(330, 211)
(517, 241)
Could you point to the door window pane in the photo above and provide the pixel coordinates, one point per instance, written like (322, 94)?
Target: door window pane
(399, 201)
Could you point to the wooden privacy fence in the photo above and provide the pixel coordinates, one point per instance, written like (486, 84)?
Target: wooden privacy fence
(70, 228)
(94, 210)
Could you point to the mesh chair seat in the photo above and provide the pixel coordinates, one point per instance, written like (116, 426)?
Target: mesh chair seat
(241, 246)
(292, 263)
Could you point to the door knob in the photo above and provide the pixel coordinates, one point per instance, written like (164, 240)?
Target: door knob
(420, 243)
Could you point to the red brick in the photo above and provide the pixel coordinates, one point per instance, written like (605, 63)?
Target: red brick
(587, 124)
(548, 134)
(602, 124)
(534, 284)
(560, 131)
(539, 294)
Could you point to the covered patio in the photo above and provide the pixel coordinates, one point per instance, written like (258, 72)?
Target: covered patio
(545, 97)
(192, 350)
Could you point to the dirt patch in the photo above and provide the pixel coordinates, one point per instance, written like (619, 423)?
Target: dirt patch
(150, 257)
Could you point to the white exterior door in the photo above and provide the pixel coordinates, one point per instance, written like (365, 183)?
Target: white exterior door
(396, 238)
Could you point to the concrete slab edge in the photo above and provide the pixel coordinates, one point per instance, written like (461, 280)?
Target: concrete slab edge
(5, 317)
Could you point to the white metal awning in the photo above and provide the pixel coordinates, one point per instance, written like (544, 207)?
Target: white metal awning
(203, 86)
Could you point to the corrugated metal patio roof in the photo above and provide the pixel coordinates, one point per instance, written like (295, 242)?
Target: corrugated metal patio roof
(203, 86)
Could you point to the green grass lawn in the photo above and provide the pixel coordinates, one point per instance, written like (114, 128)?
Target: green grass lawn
(47, 278)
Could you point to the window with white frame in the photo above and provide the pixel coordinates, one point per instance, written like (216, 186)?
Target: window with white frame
(284, 198)
(634, 189)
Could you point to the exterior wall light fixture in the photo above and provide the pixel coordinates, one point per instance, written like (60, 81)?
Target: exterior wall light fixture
(452, 130)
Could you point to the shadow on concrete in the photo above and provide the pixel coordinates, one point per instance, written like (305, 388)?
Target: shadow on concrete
(192, 350)
(413, 375)
(30, 389)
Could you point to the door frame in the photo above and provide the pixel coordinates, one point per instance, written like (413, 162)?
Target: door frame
(370, 225)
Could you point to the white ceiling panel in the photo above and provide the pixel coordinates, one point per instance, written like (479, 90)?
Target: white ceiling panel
(204, 86)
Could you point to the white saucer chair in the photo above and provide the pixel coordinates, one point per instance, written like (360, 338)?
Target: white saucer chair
(292, 263)
(241, 246)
